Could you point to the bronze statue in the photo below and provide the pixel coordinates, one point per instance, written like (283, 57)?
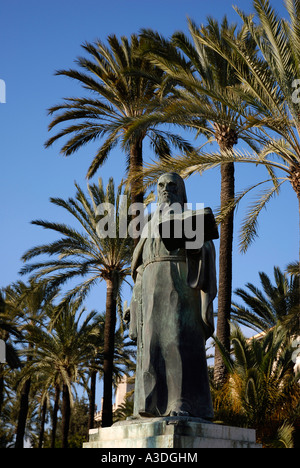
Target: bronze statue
(171, 315)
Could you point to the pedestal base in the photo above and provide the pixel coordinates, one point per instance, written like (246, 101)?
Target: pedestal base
(170, 432)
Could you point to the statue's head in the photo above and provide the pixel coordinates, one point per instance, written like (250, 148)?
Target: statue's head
(171, 189)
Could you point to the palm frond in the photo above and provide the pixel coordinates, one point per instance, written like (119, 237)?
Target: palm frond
(245, 317)
(293, 268)
(199, 161)
(222, 213)
(249, 227)
(284, 436)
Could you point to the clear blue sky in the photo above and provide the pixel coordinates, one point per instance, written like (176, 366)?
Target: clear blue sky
(38, 37)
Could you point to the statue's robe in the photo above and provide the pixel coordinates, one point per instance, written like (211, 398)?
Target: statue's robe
(171, 315)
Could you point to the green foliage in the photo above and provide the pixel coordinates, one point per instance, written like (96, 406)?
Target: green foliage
(261, 391)
(275, 304)
(78, 433)
(62, 350)
(125, 410)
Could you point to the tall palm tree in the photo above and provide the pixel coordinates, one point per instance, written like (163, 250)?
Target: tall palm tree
(203, 82)
(271, 88)
(88, 255)
(275, 304)
(117, 96)
(261, 391)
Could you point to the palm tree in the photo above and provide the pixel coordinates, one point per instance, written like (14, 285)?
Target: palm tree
(29, 304)
(122, 362)
(261, 391)
(60, 354)
(8, 329)
(118, 96)
(88, 254)
(270, 89)
(203, 83)
(275, 304)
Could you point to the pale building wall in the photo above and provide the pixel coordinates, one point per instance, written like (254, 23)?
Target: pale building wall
(122, 389)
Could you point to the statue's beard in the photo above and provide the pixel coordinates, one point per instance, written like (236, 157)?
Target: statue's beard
(168, 199)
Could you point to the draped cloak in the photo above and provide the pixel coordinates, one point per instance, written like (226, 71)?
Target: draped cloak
(171, 315)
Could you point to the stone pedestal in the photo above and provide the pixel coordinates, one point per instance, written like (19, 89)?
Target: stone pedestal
(177, 433)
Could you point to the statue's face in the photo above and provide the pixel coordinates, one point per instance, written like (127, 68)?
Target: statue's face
(168, 190)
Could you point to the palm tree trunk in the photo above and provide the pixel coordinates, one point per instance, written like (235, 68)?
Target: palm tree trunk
(225, 272)
(54, 418)
(92, 398)
(298, 197)
(295, 181)
(66, 414)
(23, 412)
(43, 420)
(136, 164)
(109, 348)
